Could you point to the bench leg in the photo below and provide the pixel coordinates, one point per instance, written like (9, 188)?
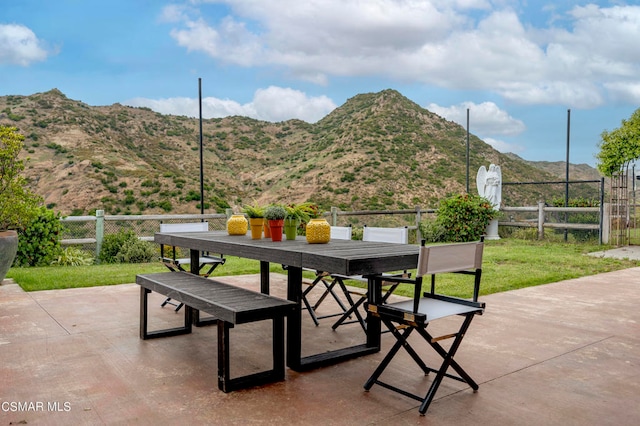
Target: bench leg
(226, 383)
(144, 320)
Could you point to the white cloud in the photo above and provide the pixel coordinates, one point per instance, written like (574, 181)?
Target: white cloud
(502, 146)
(460, 44)
(20, 46)
(270, 104)
(485, 118)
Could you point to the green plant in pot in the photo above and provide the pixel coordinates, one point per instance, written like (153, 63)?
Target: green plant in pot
(296, 214)
(256, 219)
(18, 205)
(275, 215)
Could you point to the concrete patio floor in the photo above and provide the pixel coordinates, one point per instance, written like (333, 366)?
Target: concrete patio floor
(566, 353)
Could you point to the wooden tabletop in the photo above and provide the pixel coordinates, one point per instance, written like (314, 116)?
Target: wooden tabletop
(346, 257)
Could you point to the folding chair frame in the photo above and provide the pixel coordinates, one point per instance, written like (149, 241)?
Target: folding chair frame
(174, 264)
(393, 235)
(337, 233)
(430, 306)
(447, 360)
(329, 289)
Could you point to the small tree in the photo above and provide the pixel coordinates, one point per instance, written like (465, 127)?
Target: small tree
(620, 147)
(17, 203)
(464, 217)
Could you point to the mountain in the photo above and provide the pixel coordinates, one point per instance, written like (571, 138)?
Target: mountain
(377, 151)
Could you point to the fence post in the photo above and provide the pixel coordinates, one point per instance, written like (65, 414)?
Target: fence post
(418, 220)
(334, 216)
(99, 232)
(606, 222)
(540, 220)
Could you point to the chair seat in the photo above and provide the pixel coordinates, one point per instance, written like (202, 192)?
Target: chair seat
(433, 309)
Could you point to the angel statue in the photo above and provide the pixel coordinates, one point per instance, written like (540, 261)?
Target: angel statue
(490, 184)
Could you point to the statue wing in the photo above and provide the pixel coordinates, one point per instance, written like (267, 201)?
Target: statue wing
(499, 191)
(480, 180)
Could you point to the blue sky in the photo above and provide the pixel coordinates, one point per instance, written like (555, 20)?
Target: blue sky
(517, 65)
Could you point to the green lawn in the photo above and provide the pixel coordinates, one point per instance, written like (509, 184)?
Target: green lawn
(508, 264)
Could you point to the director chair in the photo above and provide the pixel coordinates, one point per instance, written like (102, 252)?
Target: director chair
(175, 264)
(418, 313)
(369, 233)
(337, 233)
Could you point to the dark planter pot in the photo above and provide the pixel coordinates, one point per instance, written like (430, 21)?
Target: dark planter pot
(8, 250)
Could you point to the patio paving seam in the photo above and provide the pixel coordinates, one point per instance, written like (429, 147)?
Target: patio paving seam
(48, 313)
(555, 357)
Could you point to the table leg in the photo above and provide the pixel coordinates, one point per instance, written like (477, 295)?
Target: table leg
(374, 293)
(295, 361)
(294, 320)
(264, 277)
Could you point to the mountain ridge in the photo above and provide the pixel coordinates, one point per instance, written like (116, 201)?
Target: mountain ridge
(376, 151)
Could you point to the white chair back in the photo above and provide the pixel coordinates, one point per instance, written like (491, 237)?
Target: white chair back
(341, 232)
(386, 235)
(184, 227)
(450, 258)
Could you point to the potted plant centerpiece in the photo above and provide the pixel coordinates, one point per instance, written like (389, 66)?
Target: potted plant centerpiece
(18, 205)
(296, 214)
(256, 219)
(275, 215)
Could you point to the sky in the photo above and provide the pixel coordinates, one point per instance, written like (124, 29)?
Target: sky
(524, 70)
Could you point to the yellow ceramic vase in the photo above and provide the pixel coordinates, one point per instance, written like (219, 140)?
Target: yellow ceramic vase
(318, 231)
(237, 225)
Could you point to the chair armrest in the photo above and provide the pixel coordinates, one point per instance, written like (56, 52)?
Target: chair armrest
(400, 315)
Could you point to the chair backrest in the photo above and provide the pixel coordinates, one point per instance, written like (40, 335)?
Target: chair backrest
(386, 235)
(450, 258)
(341, 232)
(184, 227)
(464, 258)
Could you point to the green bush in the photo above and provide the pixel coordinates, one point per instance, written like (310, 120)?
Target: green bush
(125, 247)
(111, 245)
(39, 241)
(73, 256)
(464, 217)
(136, 251)
(432, 231)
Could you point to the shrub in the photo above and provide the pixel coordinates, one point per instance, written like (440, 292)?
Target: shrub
(125, 247)
(464, 217)
(39, 241)
(432, 231)
(111, 245)
(72, 256)
(136, 251)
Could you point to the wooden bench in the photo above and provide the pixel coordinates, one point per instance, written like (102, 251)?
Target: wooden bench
(231, 305)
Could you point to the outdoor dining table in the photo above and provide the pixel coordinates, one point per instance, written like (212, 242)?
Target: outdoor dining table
(346, 257)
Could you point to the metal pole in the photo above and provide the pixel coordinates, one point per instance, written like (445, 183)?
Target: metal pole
(566, 189)
(467, 150)
(201, 153)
